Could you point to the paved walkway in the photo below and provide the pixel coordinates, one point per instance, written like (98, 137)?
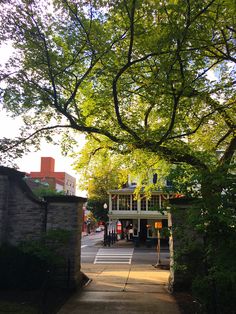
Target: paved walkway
(128, 289)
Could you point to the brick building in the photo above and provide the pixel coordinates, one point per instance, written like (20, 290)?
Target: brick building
(59, 181)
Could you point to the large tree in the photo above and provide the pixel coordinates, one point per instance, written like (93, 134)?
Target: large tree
(133, 72)
(155, 76)
(134, 75)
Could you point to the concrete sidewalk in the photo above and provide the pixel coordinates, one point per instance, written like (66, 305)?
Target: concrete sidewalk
(121, 288)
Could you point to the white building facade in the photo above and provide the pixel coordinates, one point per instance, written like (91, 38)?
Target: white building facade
(138, 214)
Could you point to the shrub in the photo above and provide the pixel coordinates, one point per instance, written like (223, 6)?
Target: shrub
(19, 269)
(29, 265)
(216, 292)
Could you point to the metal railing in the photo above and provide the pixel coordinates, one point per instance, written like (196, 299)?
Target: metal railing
(110, 237)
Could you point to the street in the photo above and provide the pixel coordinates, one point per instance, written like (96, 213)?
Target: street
(92, 239)
(92, 251)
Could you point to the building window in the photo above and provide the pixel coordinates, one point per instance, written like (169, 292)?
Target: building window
(124, 202)
(154, 178)
(143, 203)
(134, 203)
(169, 183)
(153, 203)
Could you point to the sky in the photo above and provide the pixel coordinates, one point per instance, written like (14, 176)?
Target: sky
(9, 127)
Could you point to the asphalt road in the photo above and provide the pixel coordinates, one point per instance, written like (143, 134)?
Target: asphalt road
(91, 248)
(92, 239)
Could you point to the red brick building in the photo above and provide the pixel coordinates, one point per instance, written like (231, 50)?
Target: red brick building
(59, 181)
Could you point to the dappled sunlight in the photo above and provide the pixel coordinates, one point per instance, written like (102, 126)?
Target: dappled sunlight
(115, 273)
(158, 277)
(132, 275)
(100, 285)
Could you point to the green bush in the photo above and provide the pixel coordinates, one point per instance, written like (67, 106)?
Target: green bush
(189, 262)
(206, 259)
(32, 263)
(216, 293)
(19, 269)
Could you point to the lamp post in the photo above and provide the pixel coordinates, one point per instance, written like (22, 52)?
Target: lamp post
(105, 231)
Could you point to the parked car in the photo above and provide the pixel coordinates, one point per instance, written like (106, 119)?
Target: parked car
(99, 229)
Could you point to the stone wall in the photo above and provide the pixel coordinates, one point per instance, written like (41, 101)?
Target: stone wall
(181, 232)
(24, 217)
(61, 214)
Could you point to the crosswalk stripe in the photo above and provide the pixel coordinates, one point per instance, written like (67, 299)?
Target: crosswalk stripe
(117, 254)
(114, 256)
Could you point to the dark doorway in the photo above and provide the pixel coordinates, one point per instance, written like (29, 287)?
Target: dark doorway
(127, 224)
(143, 230)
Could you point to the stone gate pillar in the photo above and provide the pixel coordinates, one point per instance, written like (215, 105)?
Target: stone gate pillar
(4, 193)
(180, 230)
(66, 213)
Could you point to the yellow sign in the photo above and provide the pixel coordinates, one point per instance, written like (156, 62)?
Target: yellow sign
(158, 224)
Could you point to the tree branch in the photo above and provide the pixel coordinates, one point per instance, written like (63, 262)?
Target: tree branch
(172, 121)
(147, 115)
(32, 135)
(115, 94)
(131, 17)
(87, 34)
(221, 109)
(223, 138)
(51, 76)
(194, 130)
(203, 10)
(172, 154)
(228, 154)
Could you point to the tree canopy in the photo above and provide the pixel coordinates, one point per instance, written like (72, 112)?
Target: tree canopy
(154, 78)
(137, 74)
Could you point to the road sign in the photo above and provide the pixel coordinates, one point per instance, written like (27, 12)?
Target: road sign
(158, 224)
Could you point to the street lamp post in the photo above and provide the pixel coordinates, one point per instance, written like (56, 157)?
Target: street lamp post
(105, 231)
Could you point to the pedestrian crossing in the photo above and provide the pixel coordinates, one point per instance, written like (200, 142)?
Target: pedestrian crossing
(114, 256)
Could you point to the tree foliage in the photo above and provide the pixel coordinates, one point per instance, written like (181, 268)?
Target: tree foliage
(156, 77)
(102, 169)
(43, 191)
(99, 172)
(134, 72)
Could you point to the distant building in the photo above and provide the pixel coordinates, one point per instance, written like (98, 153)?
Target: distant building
(58, 181)
(139, 214)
